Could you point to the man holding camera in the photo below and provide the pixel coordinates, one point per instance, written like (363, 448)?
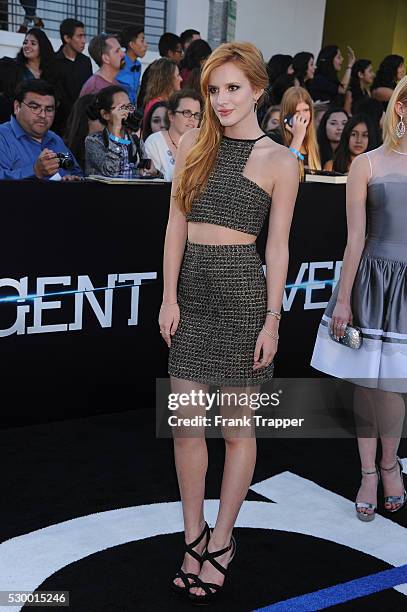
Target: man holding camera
(28, 148)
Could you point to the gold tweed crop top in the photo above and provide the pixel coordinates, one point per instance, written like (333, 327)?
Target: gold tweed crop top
(230, 198)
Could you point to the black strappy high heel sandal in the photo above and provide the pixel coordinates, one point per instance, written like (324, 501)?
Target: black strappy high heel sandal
(396, 499)
(204, 600)
(189, 549)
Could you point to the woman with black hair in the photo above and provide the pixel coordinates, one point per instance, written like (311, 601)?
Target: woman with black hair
(116, 151)
(280, 86)
(374, 110)
(156, 119)
(82, 121)
(197, 52)
(358, 136)
(281, 76)
(271, 119)
(361, 78)
(325, 84)
(35, 60)
(279, 65)
(390, 71)
(329, 133)
(304, 68)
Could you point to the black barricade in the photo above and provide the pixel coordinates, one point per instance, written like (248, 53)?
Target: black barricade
(96, 251)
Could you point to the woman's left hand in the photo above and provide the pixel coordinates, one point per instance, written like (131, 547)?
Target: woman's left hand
(266, 346)
(151, 171)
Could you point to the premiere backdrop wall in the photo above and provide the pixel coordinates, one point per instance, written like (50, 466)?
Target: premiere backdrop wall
(81, 288)
(275, 26)
(281, 26)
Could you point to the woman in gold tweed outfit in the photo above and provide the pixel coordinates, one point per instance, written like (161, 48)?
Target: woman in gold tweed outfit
(220, 314)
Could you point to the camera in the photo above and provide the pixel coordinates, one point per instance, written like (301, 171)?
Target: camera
(64, 160)
(134, 120)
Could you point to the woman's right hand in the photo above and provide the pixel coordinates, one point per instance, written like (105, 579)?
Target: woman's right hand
(351, 56)
(341, 316)
(168, 320)
(119, 114)
(299, 128)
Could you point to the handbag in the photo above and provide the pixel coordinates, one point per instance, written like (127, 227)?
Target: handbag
(352, 338)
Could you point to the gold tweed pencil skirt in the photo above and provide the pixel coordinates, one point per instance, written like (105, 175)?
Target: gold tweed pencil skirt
(222, 295)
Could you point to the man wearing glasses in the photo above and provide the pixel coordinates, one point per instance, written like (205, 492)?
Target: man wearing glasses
(28, 148)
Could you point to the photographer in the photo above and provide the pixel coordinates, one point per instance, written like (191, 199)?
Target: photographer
(117, 151)
(28, 148)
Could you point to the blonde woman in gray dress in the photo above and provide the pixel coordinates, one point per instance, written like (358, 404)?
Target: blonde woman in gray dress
(372, 295)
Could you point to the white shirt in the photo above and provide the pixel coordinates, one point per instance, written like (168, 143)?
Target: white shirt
(157, 149)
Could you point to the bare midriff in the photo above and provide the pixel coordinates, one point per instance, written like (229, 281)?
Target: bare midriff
(209, 233)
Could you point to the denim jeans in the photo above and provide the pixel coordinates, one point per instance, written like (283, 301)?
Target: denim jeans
(30, 7)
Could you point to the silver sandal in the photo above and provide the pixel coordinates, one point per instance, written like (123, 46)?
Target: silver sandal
(395, 499)
(364, 516)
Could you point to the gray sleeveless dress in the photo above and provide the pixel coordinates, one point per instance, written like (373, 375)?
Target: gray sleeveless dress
(222, 292)
(379, 294)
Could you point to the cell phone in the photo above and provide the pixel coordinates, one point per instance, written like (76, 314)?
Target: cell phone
(288, 120)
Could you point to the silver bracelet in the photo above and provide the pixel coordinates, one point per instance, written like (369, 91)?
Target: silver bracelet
(270, 334)
(274, 313)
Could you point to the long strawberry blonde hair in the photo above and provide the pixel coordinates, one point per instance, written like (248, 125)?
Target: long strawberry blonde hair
(201, 159)
(292, 97)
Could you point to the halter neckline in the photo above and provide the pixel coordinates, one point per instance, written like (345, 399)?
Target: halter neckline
(399, 152)
(244, 139)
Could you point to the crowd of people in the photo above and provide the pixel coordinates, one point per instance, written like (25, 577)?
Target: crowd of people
(309, 107)
(118, 122)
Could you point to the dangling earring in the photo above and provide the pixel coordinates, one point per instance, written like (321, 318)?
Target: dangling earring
(255, 106)
(400, 128)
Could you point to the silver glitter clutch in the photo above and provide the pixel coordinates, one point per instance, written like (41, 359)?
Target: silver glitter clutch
(351, 339)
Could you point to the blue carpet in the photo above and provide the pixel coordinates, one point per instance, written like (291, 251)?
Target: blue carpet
(319, 600)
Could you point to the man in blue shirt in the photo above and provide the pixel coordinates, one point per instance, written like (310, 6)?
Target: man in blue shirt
(28, 148)
(133, 40)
